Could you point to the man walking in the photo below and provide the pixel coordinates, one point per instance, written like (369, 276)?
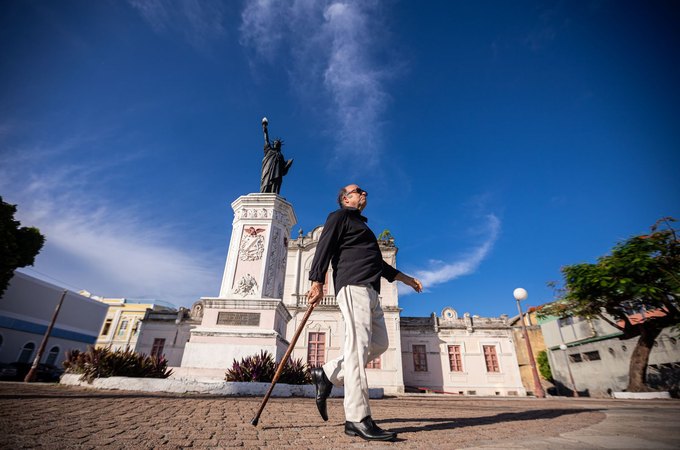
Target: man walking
(352, 249)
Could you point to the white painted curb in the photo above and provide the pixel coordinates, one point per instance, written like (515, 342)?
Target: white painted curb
(641, 395)
(225, 388)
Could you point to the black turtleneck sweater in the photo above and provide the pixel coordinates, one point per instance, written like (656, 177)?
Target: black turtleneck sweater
(352, 249)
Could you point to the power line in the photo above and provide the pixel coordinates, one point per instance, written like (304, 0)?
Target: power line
(62, 283)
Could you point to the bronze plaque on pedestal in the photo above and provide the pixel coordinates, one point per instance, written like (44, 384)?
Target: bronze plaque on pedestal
(238, 319)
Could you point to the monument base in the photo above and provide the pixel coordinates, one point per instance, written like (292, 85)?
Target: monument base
(220, 349)
(248, 317)
(233, 329)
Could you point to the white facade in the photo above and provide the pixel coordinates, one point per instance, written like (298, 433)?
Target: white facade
(26, 310)
(599, 360)
(395, 371)
(166, 333)
(465, 356)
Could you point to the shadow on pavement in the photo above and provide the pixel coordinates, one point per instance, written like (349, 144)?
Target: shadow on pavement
(446, 423)
(97, 394)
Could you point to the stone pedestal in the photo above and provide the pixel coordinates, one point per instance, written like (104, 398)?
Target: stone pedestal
(249, 315)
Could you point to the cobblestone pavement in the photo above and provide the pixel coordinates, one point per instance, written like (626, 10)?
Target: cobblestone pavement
(50, 416)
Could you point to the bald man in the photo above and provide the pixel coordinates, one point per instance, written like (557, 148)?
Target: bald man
(351, 247)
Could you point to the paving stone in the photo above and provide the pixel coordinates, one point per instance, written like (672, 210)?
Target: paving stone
(46, 416)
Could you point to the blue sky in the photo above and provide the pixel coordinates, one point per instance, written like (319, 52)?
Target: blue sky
(499, 141)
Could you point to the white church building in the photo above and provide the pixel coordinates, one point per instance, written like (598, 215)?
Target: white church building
(262, 302)
(469, 356)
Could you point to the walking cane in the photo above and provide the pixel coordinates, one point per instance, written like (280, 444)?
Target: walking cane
(282, 364)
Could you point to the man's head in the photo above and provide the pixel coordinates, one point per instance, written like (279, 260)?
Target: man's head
(352, 196)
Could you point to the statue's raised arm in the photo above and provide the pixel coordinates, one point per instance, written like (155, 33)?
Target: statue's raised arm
(274, 167)
(265, 122)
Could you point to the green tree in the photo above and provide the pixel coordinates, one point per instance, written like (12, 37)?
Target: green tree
(544, 365)
(641, 275)
(18, 245)
(385, 235)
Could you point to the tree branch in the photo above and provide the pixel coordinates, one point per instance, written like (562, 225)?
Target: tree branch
(628, 325)
(610, 322)
(672, 310)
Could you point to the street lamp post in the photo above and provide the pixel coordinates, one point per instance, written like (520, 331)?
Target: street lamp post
(521, 294)
(563, 347)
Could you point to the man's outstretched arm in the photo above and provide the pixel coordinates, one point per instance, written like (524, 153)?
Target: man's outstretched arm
(410, 281)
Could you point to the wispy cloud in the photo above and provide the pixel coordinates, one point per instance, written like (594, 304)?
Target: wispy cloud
(550, 22)
(330, 44)
(199, 22)
(131, 257)
(441, 272)
(93, 243)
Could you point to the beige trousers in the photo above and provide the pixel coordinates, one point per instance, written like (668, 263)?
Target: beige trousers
(365, 340)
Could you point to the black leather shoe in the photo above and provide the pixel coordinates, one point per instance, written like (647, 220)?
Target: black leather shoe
(368, 430)
(323, 390)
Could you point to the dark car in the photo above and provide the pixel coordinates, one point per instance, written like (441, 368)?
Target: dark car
(8, 372)
(17, 371)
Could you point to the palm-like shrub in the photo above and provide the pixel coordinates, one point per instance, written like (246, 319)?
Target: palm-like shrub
(295, 372)
(262, 367)
(75, 361)
(103, 363)
(258, 368)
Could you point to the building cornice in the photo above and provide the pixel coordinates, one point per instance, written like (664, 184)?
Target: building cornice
(247, 304)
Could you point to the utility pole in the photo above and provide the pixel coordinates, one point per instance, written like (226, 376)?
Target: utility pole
(31, 373)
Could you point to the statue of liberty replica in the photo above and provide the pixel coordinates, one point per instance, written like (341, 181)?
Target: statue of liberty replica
(274, 166)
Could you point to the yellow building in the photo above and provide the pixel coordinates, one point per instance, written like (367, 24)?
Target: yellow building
(537, 345)
(123, 321)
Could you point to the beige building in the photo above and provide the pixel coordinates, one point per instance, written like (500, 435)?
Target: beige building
(123, 321)
(537, 345)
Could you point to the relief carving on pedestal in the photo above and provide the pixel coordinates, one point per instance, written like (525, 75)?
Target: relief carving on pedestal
(254, 213)
(274, 256)
(252, 244)
(283, 269)
(247, 285)
(281, 217)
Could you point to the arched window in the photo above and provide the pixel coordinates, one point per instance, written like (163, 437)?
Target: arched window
(26, 352)
(52, 355)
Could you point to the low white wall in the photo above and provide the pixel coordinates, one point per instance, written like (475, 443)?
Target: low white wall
(641, 395)
(225, 388)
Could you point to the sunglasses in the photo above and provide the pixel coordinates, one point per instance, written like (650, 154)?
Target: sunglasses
(357, 191)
